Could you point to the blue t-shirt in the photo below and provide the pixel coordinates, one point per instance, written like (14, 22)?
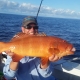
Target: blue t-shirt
(28, 69)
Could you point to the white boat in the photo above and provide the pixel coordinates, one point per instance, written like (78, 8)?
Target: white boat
(67, 69)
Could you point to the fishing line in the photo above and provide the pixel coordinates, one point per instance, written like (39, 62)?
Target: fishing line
(39, 9)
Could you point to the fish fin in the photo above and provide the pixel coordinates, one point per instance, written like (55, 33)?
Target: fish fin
(18, 36)
(44, 60)
(54, 51)
(17, 58)
(41, 34)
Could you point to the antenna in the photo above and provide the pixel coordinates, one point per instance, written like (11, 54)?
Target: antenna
(39, 9)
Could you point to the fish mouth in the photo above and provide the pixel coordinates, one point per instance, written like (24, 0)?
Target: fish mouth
(73, 49)
(70, 50)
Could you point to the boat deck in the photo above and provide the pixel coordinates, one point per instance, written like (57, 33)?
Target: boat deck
(66, 70)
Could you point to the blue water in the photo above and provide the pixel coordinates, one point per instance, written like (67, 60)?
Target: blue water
(68, 29)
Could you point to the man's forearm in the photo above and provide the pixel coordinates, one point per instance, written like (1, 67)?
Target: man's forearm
(13, 65)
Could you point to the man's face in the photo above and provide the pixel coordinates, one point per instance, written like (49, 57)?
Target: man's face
(31, 29)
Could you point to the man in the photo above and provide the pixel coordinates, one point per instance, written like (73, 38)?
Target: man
(28, 68)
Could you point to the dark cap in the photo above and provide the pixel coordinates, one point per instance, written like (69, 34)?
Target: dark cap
(28, 20)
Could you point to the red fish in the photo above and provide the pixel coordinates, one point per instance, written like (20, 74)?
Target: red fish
(38, 46)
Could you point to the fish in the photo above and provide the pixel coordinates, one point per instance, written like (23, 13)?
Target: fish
(22, 35)
(37, 46)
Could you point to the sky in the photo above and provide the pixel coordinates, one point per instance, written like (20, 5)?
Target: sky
(49, 8)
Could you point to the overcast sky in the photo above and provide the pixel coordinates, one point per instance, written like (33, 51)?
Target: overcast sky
(49, 8)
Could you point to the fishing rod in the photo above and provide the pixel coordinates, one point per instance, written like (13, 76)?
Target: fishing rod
(39, 9)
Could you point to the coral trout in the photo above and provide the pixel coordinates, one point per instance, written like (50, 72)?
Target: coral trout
(37, 46)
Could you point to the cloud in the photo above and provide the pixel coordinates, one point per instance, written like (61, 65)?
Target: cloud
(5, 4)
(60, 12)
(8, 6)
(13, 7)
(27, 8)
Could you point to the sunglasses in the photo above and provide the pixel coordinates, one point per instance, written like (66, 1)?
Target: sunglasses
(29, 27)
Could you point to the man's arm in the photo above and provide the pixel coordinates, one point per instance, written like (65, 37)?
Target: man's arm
(45, 70)
(13, 65)
(10, 69)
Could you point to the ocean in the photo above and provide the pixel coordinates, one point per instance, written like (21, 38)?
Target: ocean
(68, 29)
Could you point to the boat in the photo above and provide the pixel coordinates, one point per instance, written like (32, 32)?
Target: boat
(67, 69)
(2, 61)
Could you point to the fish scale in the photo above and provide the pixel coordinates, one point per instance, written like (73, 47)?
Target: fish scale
(38, 46)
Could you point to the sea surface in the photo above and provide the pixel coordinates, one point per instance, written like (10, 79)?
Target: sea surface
(68, 29)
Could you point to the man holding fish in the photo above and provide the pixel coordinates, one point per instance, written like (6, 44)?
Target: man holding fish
(28, 68)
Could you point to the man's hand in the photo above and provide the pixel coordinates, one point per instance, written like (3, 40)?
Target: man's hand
(53, 58)
(8, 52)
(13, 65)
(14, 56)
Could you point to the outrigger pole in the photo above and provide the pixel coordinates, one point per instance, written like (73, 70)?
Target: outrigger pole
(39, 9)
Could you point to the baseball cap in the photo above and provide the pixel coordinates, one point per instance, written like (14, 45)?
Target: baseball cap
(28, 20)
